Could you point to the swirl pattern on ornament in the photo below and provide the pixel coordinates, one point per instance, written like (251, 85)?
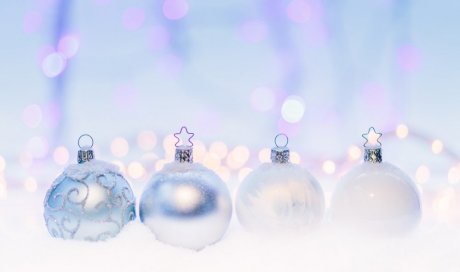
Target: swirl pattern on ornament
(93, 208)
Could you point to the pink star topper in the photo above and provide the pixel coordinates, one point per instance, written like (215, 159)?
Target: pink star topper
(372, 138)
(181, 135)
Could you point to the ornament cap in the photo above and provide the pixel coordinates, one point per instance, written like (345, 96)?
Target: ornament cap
(86, 152)
(373, 155)
(184, 149)
(184, 154)
(372, 146)
(280, 153)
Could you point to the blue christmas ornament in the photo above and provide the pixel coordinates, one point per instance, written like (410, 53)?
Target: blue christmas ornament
(186, 204)
(91, 200)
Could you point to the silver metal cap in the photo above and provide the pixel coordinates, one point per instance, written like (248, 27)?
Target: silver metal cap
(373, 155)
(85, 153)
(280, 153)
(372, 146)
(184, 148)
(184, 154)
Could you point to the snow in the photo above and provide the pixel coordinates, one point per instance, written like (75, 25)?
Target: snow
(26, 246)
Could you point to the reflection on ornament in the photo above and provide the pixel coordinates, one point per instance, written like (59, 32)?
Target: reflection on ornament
(186, 204)
(89, 201)
(279, 195)
(376, 196)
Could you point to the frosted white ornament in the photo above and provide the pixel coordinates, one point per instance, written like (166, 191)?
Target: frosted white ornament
(279, 196)
(186, 204)
(376, 196)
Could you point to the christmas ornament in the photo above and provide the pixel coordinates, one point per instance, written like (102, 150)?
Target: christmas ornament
(89, 201)
(186, 204)
(376, 196)
(279, 195)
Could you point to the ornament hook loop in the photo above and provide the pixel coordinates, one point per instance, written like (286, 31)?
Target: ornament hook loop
(88, 136)
(188, 134)
(372, 138)
(286, 140)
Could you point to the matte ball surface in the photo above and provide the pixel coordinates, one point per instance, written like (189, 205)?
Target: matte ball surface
(279, 196)
(186, 205)
(377, 198)
(89, 201)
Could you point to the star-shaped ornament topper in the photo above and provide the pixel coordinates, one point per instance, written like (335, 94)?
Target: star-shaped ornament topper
(372, 138)
(184, 137)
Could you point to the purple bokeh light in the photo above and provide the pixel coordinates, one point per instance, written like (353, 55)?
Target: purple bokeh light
(254, 31)
(158, 38)
(133, 18)
(69, 45)
(32, 21)
(299, 11)
(175, 9)
(409, 58)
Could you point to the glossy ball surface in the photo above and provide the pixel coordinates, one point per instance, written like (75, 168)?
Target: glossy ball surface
(90, 201)
(279, 197)
(186, 205)
(377, 198)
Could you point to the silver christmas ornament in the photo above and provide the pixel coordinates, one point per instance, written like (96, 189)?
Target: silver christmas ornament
(89, 201)
(279, 195)
(186, 204)
(376, 196)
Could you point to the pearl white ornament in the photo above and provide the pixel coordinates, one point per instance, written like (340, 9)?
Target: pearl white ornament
(186, 204)
(376, 197)
(279, 196)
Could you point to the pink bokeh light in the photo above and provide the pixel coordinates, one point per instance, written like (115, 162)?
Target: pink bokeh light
(158, 38)
(409, 58)
(32, 21)
(299, 11)
(133, 18)
(254, 31)
(175, 9)
(69, 45)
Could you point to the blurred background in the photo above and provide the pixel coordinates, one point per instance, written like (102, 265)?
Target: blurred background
(131, 73)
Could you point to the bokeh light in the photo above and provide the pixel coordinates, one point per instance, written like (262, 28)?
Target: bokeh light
(136, 170)
(119, 147)
(238, 157)
(254, 31)
(299, 11)
(223, 172)
(61, 155)
(293, 109)
(147, 140)
(211, 161)
(437, 146)
(263, 99)
(133, 18)
(32, 21)
(158, 37)
(453, 176)
(354, 152)
(328, 167)
(264, 155)
(295, 157)
(219, 148)
(32, 116)
(30, 185)
(53, 64)
(175, 9)
(402, 131)
(69, 45)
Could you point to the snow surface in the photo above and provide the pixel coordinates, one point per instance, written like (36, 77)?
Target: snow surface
(26, 246)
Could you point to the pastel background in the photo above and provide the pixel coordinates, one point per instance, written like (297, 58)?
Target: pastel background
(131, 73)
